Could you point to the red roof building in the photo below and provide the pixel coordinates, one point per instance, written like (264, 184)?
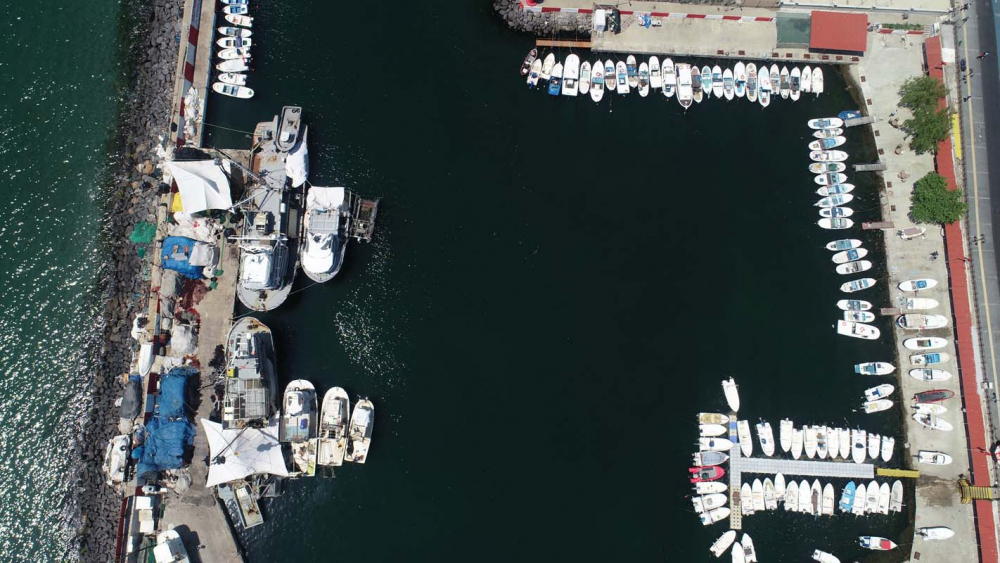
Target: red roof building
(839, 31)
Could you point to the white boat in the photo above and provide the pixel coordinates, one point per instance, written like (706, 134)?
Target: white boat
(709, 487)
(169, 548)
(116, 459)
(833, 442)
(858, 506)
(784, 86)
(834, 200)
(728, 88)
(835, 189)
(836, 212)
(858, 449)
(816, 498)
(227, 54)
(932, 422)
(857, 330)
(810, 441)
(779, 487)
(712, 430)
(715, 515)
(597, 82)
(685, 92)
(821, 445)
(825, 122)
(758, 495)
(655, 78)
(843, 244)
(770, 497)
(705, 459)
(792, 497)
(795, 84)
(828, 143)
(917, 285)
(896, 497)
(360, 434)
(748, 549)
(835, 223)
(928, 374)
(144, 363)
(332, 443)
(743, 435)
(238, 10)
(233, 78)
(732, 394)
(234, 32)
(717, 87)
(706, 81)
(299, 424)
(740, 79)
(854, 268)
(709, 502)
(696, 89)
(826, 167)
(847, 497)
(766, 437)
(911, 232)
(874, 368)
(874, 393)
(722, 544)
(888, 445)
(929, 408)
(738, 555)
(669, 76)
(797, 442)
(871, 500)
(775, 76)
(571, 76)
(547, 65)
(632, 71)
(235, 42)
(857, 285)
(715, 444)
(854, 305)
(785, 433)
(929, 359)
(828, 500)
(326, 228)
(556, 80)
(830, 178)
(913, 321)
(925, 343)
(844, 436)
(817, 81)
(610, 77)
(828, 156)
(240, 20)
(585, 78)
(933, 533)
(933, 458)
(712, 418)
(764, 87)
(535, 74)
(824, 557)
(232, 90)
(805, 84)
(851, 255)
(752, 86)
(805, 503)
(643, 79)
(880, 405)
(746, 499)
(884, 494)
(622, 72)
(233, 65)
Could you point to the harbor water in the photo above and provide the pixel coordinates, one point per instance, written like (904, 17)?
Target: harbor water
(554, 290)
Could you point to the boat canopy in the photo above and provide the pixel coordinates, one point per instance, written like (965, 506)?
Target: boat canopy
(297, 163)
(239, 453)
(362, 416)
(168, 432)
(202, 184)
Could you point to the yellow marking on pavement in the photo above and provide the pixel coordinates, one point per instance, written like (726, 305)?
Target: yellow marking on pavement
(956, 136)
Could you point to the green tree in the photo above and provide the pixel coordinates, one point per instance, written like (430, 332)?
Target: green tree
(927, 128)
(933, 202)
(922, 92)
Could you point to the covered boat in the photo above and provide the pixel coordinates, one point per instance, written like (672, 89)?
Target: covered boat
(896, 497)
(858, 508)
(547, 65)
(711, 430)
(888, 445)
(327, 222)
(828, 499)
(709, 487)
(817, 81)
(798, 439)
(933, 396)
(712, 418)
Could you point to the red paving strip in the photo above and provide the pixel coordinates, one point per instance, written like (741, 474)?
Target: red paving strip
(961, 308)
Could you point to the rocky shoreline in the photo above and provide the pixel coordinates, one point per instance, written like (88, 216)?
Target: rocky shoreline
(148, 32)
(541, 24)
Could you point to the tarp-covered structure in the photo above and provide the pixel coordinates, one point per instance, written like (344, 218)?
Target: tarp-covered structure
(187, 256)
(202, 184)
(168, 433)
(239, 453)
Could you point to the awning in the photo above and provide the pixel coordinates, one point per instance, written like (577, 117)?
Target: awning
(202, 185)
(236, 454)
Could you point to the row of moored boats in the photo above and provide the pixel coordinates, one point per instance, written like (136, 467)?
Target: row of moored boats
(234, 50)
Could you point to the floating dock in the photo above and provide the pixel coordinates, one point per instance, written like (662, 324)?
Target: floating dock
(855, 121)
(873, 167)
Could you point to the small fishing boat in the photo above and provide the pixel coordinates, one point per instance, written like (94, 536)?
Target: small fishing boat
(835, 200)
(235, 42)
(332, 442)
(927, 374)
(298, 424)
(878, 392)
(876, 543)
(740, 79)
(810, 441)
(713, 516)
(932, 422)
(227, 54)
(622, 71)
(919, 303)
(764, 87)
(752, 82)
(828, 143)
(749, 552)
(696, 89)
(849, 114)
(555, 80)
(933, 396)
(929, 408)
(798, 439)
(236, 2)
(888, 445)
(829, 134)
(547, 65)
(632, 70)
(233, 78)
(655, 79)
(728, 88)
(874, 368)
(844, 437)
(871, 502)
(528, 61)
(685, 95)
(858, 449)
(854, 267)
(710, 458)
(822, 448)
(858, 506)
(835, 223)
(816, 498)
(643, 79)
(535, 74)
(851, 255)
(571, 76)
(710, 487)
(770, 497)
(880, 405)
(669, 78)
(843, 244)
(610, 78)
(775, 76)
(232, 90)
(712, 430)
(817, 81)
(706, 81)
(913, 321)
(794, 84)
(585, 78)
(743, 435)
(805, 503)
(766, 437)
(746, 499)
(835, 189)
(854, 305)
(896, 497)
(785, 433)
(712, 418)
(925, 343)
(717, 86)
(884, 495)
(847, 497)
(857, 285)
(825, 122)
(758, 495)
(233, 65)
(709, 502)
(722, 544)
(933, 458)
(857, 330)
(828, 156)
(234, 32)
(715, 444)
(911, 232)
(830, 178)
(805, 83)
(792, 497)
(597, 82)
(784, 86)
(362, 420)
(732, 394)
(934, 533)
(116, 459)
(236, 10)
(833, 442)
(828, 500)
(779, 487)
(239, 20)
(917, 285)
(929, 359)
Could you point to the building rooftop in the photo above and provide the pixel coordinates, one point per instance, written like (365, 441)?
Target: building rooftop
(839, 31)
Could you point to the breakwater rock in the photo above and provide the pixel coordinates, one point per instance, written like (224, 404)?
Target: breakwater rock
(543, 24)
(149, 52)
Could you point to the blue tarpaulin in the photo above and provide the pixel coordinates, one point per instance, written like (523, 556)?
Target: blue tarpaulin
(168, 432)
(176, 255)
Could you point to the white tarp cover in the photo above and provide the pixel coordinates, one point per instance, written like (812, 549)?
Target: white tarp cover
(202, 184)
(324, 198)
(361, 417)
(243, 452)
(297, 162)
(600, 20)
(198, 228)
